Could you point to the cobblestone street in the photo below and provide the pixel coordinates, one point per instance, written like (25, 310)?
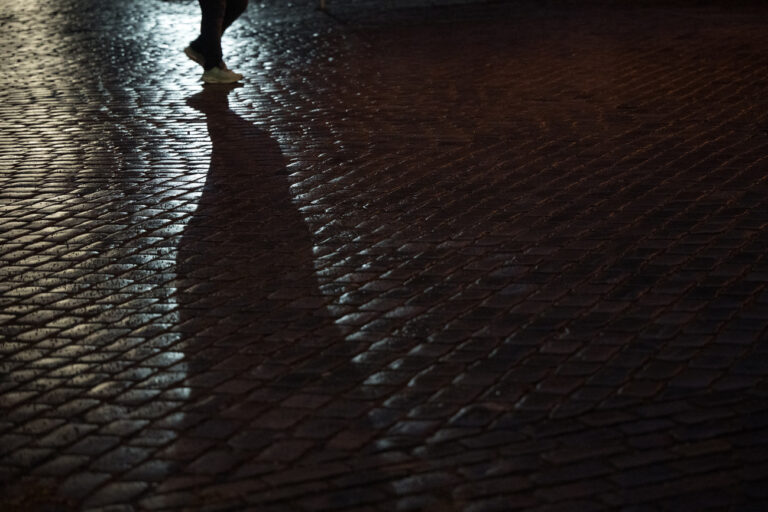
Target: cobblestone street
(460, 257)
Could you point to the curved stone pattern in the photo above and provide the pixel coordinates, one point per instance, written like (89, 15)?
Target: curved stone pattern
(440, 258)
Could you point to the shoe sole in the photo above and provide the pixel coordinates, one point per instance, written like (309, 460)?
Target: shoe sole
(211, 80)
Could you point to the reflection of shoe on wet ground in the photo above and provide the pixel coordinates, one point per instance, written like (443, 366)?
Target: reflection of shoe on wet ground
(214, 98)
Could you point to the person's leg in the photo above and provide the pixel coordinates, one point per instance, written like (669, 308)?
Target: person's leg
(206, 49)
(209, 41)
(233, 11)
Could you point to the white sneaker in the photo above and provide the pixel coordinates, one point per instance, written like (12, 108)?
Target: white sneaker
(227, 70)
(198, 57)
(220, 76)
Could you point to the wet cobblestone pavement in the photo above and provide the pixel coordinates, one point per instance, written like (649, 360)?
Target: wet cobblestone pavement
(469, 258)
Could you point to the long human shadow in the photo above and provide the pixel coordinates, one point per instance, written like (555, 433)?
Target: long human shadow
(247, 249)
(270, 375)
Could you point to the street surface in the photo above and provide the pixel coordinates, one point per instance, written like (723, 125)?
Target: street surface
(441, 258)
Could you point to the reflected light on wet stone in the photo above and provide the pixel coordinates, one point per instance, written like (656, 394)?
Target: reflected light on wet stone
(115, 187)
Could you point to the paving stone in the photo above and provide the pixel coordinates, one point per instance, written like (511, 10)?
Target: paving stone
(116, 493)
(81, 484)
(62, 465)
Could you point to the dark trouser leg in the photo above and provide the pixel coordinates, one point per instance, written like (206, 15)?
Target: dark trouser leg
(211, 28)
(234, 9)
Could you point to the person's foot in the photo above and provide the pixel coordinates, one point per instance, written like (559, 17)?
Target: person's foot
(198, 57)
(216, 75)
(224, 68)
(194, 55)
